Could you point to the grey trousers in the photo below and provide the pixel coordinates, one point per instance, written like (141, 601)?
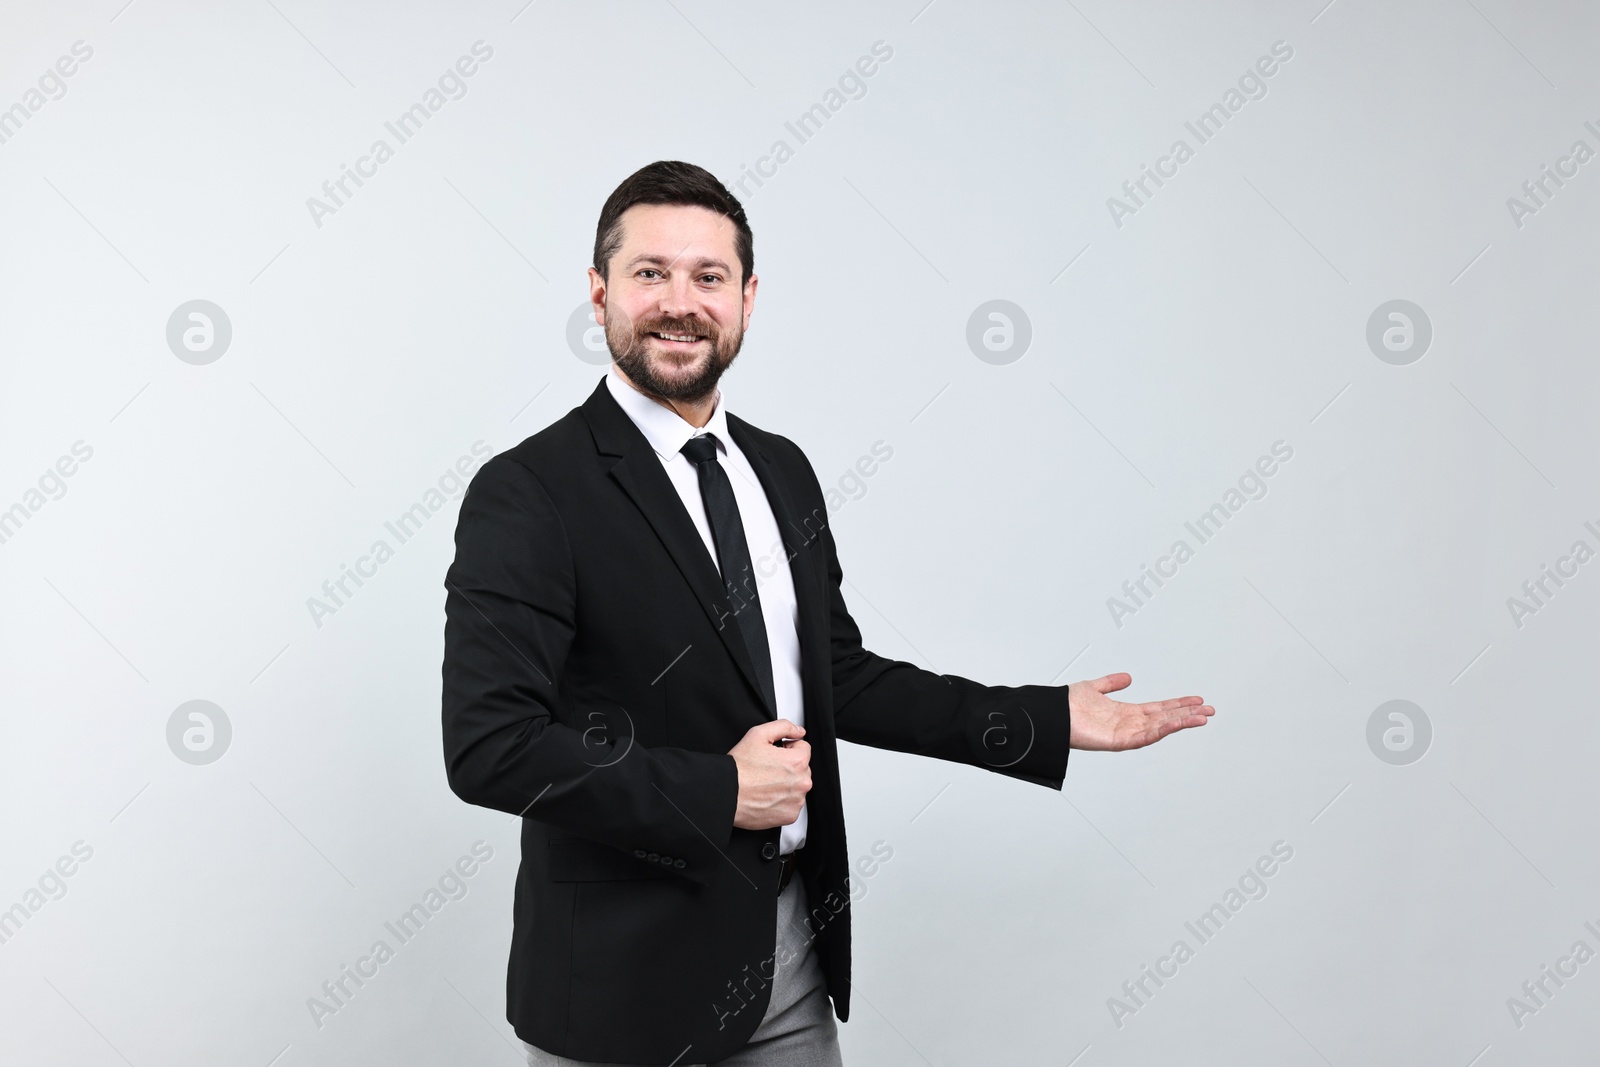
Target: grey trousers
(798, 1029)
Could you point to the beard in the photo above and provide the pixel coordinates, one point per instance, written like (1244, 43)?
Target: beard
(688, 376)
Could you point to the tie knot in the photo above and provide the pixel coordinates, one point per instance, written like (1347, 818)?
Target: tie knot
(700, 449)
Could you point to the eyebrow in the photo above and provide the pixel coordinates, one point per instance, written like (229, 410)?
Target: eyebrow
(655, 260)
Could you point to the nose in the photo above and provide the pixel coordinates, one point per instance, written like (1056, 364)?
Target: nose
(678, 298)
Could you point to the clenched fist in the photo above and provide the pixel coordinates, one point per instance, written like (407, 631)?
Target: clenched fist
(774, 777)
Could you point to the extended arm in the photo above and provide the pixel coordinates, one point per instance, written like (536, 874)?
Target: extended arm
(1022, 731)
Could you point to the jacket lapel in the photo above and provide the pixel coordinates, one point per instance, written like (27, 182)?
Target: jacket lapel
(638, 472)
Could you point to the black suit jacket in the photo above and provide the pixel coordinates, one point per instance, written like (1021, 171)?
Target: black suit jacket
(594, 681)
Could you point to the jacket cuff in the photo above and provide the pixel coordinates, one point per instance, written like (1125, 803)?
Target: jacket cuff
(1023, 732)
(704, 815)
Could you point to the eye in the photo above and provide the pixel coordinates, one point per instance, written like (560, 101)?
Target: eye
(710, 279)
(649, 271)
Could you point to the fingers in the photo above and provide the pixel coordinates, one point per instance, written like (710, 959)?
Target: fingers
(1199, 714)
(1162, 707)
(775, 731)
(1186, 719)
(1112, 682)
(1180, 722)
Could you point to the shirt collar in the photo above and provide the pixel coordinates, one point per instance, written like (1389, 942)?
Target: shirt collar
(664, 428)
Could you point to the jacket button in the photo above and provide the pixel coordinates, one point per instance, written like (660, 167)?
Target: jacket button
(638, 853)
(667, 860)
(652, 857)
(678, 863)
(769, 851)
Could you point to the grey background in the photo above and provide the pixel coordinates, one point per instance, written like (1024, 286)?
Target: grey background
(1167, 354)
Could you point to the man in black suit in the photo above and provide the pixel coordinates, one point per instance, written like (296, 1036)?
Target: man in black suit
(649, 659)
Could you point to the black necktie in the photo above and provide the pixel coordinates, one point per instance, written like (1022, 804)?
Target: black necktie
(733, 554)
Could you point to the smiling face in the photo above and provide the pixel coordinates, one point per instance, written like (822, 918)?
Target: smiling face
(673, 307)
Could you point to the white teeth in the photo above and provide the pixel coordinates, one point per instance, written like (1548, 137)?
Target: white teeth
(677, 337)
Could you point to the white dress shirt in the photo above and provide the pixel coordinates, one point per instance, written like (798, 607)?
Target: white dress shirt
(667, 433)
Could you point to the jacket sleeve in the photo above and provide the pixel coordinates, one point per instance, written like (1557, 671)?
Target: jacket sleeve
(1019, 731)
(511, 608)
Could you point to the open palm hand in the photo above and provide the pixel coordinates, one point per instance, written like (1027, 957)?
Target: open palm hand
(1105, 725)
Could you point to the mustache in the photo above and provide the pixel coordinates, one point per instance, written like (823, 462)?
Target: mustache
(668, 324)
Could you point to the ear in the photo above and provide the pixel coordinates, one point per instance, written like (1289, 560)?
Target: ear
(597, 296)
(749, 299)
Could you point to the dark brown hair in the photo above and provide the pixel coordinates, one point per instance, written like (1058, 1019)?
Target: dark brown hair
(670, 182)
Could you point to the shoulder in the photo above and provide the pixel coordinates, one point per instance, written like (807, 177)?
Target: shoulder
(548, 457)
(779, 449)
(532, 474)
(552, 448)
